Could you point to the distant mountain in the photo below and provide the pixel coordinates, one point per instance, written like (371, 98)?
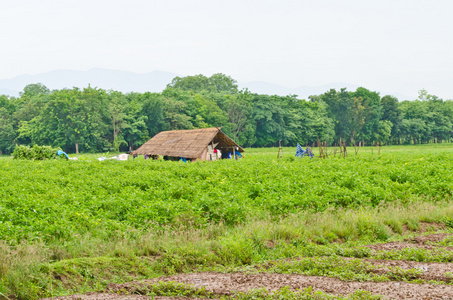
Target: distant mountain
(154, 81)
(124, 81)
(8, 92)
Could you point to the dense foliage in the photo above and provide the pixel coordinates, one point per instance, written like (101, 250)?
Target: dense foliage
(66, 198)
(94, 120)
(35, 153)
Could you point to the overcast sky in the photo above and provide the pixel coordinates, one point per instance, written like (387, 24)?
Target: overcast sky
(393, 45)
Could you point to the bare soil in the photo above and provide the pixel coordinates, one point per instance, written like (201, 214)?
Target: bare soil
(403, 245)
(105, 296)
(224, 284)
(227, 284)
(415, 242)
(427, 227)
(429, 271)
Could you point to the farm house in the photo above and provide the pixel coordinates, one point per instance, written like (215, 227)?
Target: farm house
(193, 144)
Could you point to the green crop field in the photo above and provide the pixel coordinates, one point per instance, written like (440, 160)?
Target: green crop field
(75, 226)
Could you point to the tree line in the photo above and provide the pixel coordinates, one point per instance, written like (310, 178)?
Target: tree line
(96, 120)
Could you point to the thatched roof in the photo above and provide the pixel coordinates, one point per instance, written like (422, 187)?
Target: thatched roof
(186, 143)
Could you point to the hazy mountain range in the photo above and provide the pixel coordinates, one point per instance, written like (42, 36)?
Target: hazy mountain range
(154, 81)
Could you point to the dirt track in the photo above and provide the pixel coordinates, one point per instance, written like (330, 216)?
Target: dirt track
(226, 284)
(416, 242)
(223, 284)
(103, 296)
(429, 271)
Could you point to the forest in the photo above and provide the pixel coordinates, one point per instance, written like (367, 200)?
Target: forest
(97, 120)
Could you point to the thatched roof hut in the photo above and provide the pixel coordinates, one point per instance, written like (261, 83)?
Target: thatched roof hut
(191, 144)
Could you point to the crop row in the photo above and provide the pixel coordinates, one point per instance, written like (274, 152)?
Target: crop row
(54, 199)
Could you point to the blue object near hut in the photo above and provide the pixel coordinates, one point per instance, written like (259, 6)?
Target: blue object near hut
(60, 152)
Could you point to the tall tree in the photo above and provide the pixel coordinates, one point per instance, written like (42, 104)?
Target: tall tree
(340, 107)
(7, 132)
(268, 117)
(73, 118)
(371, 113)
(391, 112)
(153, 109)
(34, 89)
(217, 83)
(116, 111)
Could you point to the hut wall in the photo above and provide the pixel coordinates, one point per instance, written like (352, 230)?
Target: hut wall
(204, 154)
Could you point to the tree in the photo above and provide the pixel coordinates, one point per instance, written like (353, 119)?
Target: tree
(117, 116)
(153, 109)
(190, 83)
(174, 109)
(391, 112)
(340, 108)
(73, 118)
(7, 132)
(217, 83)
(34, 89)
(370, 113)
(221, 83)
(358, 115)
(305, 122)
(237, 108)
(439, 119)
(413, 130)
(384, 131)
(413, 125)
(268, 117)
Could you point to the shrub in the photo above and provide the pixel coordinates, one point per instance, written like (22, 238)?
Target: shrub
(35, 153)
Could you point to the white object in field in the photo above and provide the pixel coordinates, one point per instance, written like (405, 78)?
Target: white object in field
(73, 158)
(123, 156)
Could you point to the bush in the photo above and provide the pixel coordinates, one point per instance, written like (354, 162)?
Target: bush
(35, 153)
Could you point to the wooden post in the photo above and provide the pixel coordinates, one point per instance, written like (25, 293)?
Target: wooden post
(345, 150)
(280, 150)
(321, 154)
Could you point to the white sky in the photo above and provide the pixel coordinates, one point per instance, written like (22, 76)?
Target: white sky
(394, 45)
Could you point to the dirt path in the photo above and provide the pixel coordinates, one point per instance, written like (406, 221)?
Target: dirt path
(224, 284)
(429, 270)
(104, 296)
(227, 284)
(415, 242)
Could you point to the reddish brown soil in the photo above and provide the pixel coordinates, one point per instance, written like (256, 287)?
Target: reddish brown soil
(434, 238)
(104, 296)
(429, 271)
(427, 227)
(224, 284)
(415, 242)
(403, 245)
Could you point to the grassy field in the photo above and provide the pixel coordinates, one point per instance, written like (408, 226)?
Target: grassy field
(75, 226)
